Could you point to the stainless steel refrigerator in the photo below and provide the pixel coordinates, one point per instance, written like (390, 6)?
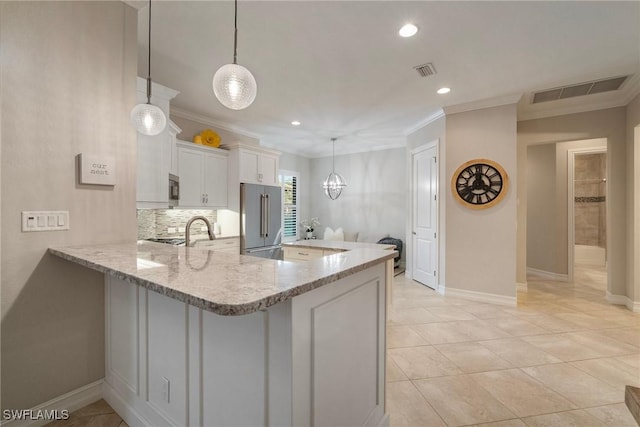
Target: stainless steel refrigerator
(261, 221)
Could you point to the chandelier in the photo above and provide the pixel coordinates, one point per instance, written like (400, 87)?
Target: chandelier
(334, 183)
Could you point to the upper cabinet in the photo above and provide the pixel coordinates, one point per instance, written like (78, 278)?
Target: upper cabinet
(155, 154)
(254, 165)
(203, 176)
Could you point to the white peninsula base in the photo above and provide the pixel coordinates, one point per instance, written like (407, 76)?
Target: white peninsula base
(317, 359)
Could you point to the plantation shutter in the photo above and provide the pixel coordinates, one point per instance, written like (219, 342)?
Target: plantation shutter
(290, 184)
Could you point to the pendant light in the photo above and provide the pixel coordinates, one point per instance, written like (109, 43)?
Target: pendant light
(148, 119)
(334, 183)
(234, 85)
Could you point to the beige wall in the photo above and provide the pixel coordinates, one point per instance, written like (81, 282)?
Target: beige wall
(633, 199)
(68, 90)
(541, 208)
(373, 203)
(434, 131)
(610, 124)
(481, 244)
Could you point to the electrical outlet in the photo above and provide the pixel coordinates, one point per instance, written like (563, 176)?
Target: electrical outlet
(171, 230)
(180, 229)
(166, 389)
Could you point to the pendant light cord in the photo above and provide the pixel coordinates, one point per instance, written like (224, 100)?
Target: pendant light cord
(235, 32)
(149, 60)
(333, 164)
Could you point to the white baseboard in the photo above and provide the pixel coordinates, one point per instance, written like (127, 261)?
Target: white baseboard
(481, 296)
(126, 411)
(71, 401)
(548, 274)
(623, 300)
(522, 287)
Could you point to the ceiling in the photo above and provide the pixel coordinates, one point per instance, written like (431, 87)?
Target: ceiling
(340, 68)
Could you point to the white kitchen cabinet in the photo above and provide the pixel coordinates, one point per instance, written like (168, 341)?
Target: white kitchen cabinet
(295, 363)
(155, 158)
(253, 164)
(258, 167)
(203, 176)
(301, 254)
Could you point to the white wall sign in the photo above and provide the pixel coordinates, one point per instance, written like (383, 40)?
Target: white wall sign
(96, 170)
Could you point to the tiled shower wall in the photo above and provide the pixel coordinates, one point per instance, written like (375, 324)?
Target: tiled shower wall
(590, 198)
(154, 223)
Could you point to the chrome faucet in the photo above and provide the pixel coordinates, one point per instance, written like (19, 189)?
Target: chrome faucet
(188, 228)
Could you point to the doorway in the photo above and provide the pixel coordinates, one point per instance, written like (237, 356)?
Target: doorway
(424, 213)
(587, 216)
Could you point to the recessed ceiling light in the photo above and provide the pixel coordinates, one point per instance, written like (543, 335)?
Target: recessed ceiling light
(408, 30)
(444, 90)
(295, 123)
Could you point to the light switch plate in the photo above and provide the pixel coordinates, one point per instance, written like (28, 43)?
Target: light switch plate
(45, 220)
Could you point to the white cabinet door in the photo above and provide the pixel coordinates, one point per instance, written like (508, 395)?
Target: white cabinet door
(153, 168)
(215, 180)
(203, 176)
(191, 171)
(249, 166)
(268, 172)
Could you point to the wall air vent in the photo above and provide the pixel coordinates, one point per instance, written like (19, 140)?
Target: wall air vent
(581, 89)
(425, 70)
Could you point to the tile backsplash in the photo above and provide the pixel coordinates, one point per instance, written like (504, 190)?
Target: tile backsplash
(155, 223)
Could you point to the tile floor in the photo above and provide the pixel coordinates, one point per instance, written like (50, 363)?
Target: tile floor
(561, 358)
(98, 414)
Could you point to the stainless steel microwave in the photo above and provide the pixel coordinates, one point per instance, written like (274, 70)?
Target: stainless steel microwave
(174, 190)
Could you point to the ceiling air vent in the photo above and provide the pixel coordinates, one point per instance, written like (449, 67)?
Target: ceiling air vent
(587, 88)
(425, 70)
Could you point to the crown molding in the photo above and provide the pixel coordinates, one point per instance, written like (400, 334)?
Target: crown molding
(422, 123)
(483, 103)
(543, 114)
(185, 114)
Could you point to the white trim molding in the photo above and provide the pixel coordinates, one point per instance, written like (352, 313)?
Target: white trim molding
(179, 112)
(480, 296)
(483, 103)
(623, 300)
(549, 275)
(422, 123)
(70, 401)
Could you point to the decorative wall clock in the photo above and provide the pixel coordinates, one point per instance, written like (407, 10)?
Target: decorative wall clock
(479, 183)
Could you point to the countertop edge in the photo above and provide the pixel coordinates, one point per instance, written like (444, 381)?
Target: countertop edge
(217, 308)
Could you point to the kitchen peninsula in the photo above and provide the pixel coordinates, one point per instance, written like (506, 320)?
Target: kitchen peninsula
(199, 337)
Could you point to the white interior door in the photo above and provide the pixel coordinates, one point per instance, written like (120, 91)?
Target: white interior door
(425, 216)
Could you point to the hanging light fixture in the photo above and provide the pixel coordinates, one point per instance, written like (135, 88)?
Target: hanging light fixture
(234, 85)
(334, 183)
(146, 118)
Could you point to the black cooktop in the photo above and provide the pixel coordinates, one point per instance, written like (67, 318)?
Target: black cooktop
(171, 241)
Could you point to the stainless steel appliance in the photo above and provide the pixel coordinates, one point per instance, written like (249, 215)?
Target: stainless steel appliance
(174, 190)
(261, 221)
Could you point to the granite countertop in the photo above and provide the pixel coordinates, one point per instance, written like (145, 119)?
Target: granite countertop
(223, 283)
(337, 245)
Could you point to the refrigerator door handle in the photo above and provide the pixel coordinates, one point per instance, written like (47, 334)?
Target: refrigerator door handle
(268, 211)
(261, 215)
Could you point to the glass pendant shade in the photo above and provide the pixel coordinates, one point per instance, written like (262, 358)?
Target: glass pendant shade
(234, 86)
(333, 185)
(148, 119)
